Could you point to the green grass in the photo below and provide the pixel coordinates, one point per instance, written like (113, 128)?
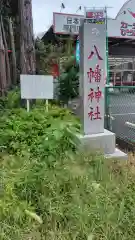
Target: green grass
(76, 198)
(50, 191)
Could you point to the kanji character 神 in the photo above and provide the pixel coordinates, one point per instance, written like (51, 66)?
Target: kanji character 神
(95, 52)
(91, 94)
(98, 94)
(94, 115)
(96, 74)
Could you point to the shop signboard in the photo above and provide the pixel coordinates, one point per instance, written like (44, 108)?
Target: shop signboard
(66, 23)
(95, 15)
(121, 27)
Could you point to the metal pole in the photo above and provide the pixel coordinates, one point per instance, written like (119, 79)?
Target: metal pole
(107, 110)
(28, 105)
(47, 105)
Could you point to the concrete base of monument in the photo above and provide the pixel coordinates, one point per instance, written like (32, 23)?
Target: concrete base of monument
(118, 154)
(103, 141)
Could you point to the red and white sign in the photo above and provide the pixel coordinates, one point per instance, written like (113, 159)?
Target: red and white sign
(121, 29)
(125, 20)
(95, 13)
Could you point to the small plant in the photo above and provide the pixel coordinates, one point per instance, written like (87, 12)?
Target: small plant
(12, 100)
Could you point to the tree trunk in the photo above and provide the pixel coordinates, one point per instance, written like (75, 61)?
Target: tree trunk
(3, 82)
(6, 55)
(12, 43)
(27, 50)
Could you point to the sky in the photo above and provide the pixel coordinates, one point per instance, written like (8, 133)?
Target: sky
(43, 10)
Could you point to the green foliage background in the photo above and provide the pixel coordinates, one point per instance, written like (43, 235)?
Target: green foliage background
(68, 80)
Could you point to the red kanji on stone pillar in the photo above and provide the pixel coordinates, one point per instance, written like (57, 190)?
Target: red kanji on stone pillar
(97, 114)
(94, 115)
(91, 94)
(96, 74)
(95, 52)
(98, 94)
(91, 114)
(90, 75)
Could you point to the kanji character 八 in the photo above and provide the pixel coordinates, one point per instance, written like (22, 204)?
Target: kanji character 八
(95, 52)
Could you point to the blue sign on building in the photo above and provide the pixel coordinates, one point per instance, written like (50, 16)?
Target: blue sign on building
(77, 51)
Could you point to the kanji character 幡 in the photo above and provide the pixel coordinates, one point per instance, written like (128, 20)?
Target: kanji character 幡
(96, 74)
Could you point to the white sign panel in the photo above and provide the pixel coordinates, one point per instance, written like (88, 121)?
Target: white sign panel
(36, 87)
(69, 24)
(93, 61)
(66, 23)
(121, 29)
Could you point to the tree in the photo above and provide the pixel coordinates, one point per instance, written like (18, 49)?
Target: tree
(17, 50)
(69, 82)
(27, 49)
(3, 80)
(42, 58)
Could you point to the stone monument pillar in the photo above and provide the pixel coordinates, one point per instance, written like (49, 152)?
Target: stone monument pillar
(92, 38)
(92, 65)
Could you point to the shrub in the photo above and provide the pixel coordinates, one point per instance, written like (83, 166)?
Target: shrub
(38, 132)
(12, 100)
